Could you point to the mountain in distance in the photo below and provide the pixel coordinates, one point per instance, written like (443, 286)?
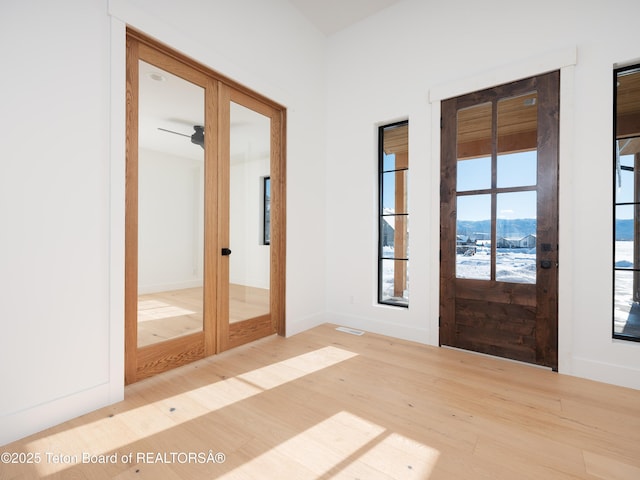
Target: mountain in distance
(624, 229)
(521, 227)
(511, 228)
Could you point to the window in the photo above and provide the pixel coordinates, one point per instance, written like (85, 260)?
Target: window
(393, 226)
(626, 261)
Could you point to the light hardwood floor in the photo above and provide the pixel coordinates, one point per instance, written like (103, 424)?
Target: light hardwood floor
(326, 404)
(171, 314)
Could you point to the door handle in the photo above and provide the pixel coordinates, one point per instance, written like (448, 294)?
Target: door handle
(545, 264)
(226, 251)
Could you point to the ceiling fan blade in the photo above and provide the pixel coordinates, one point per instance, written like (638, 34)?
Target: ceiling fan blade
(171, 131)
(198, 135)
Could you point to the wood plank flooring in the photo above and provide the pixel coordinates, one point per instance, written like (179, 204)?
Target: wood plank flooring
(325, 404)
(171, 314)
(175, 313)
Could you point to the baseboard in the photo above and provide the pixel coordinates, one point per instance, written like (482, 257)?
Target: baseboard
(620, 375)
(32, 420)
(298, 325)
(167, 287)
(372, 325)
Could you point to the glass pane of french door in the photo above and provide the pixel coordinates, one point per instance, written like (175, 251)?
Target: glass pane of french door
(250, 260)
(170, 206)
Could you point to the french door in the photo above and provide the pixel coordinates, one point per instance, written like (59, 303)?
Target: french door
(499, 221)
(199, 276)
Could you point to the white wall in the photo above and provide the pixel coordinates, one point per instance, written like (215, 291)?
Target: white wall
(249, 263)
(250, 144)
(170, 222)
(62, 180)
(55, 305)
(411, 56)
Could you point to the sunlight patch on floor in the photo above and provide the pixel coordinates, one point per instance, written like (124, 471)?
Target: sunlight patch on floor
(276, 374)
(343, 445)
(399, 457)
(156, 310)
(319, 449)
(113, 433)
(605, 467)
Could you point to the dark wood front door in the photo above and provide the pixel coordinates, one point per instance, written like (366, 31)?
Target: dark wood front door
(499, 221)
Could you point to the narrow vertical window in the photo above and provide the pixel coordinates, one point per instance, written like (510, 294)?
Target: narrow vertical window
(626, 160)
(393, 226)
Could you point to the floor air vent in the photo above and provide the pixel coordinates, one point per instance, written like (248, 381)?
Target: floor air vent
(350, 330)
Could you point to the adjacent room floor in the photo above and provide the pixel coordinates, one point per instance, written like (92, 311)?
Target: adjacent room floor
(327, 404)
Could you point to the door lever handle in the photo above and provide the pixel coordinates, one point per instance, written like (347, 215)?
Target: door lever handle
(226, 251)
(545, 264)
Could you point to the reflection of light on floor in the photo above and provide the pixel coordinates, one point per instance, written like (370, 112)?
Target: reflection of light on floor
(110, 434)
(396, 453)
(601, 466)
(318, 449)
(155, 310)
(345, 444)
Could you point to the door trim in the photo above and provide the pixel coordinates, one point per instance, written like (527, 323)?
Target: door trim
(501, 74)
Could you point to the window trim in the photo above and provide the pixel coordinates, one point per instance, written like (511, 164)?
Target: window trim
(381, 215)
(616, 71)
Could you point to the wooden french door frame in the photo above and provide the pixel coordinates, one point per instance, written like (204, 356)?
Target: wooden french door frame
(216, 335)
(483, 305)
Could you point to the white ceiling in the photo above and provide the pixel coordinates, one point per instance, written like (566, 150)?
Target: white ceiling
(176, 105)
(330, 16)
(169, 102)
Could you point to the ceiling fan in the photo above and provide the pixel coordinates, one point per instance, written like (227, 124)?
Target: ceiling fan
(197, 137)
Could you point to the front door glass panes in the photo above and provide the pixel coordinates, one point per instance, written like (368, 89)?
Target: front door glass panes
(496, 185)
(516, 228)
(473, 237)
(517, 141)
(473, 144)
(474, 174)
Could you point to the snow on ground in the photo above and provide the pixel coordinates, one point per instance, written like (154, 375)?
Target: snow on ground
(517, 265)
(388, 278)
(623, 285)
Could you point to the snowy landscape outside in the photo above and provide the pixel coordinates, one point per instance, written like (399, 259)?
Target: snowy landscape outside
(517, 265)
(388, 275)
(626, 311)
(623, 290)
